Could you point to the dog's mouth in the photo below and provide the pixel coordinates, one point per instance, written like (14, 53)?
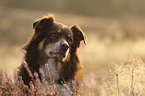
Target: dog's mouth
(58, 54)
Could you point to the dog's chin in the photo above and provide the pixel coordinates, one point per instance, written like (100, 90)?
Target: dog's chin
(61, 58)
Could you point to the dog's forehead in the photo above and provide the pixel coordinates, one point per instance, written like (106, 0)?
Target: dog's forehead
(60, 28)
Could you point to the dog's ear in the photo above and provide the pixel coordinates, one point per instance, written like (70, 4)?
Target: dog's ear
(35, 24)
(78, 36)
(43, 23)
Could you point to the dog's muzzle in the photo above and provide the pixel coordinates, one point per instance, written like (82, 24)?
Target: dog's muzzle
(61, 51)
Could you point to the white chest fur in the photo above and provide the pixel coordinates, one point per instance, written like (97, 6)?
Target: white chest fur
(52, 68)
(55, 75)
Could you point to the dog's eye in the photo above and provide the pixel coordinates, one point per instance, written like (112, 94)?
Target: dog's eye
(69, 40)
(53, 35)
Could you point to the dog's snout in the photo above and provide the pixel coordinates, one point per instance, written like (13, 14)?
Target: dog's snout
(64, 47)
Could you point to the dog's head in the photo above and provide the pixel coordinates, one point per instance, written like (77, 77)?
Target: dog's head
(56, 40)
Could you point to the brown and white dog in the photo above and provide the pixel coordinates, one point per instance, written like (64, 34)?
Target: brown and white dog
(55, 44)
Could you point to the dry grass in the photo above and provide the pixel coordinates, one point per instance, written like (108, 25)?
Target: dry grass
(113, 57)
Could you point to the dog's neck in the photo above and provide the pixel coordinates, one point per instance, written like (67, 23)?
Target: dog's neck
(54, 68)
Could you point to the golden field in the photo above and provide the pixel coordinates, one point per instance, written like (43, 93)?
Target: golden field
(113, 58)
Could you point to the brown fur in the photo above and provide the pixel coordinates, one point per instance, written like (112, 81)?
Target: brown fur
(34, 49)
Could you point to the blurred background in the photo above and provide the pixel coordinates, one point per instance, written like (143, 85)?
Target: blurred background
(115, 30)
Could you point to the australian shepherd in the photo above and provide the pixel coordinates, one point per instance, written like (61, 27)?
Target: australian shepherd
(57, 45)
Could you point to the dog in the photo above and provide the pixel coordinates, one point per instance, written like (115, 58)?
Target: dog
(57, 45)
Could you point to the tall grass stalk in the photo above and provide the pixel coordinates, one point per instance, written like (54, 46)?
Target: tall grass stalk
(29, 71)
(117, 83)
(132, 84)
(53, 86)
(45, 83)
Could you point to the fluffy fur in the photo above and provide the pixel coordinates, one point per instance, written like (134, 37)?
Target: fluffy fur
(48, 33)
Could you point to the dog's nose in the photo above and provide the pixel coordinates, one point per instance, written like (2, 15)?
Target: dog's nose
(64, 47)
